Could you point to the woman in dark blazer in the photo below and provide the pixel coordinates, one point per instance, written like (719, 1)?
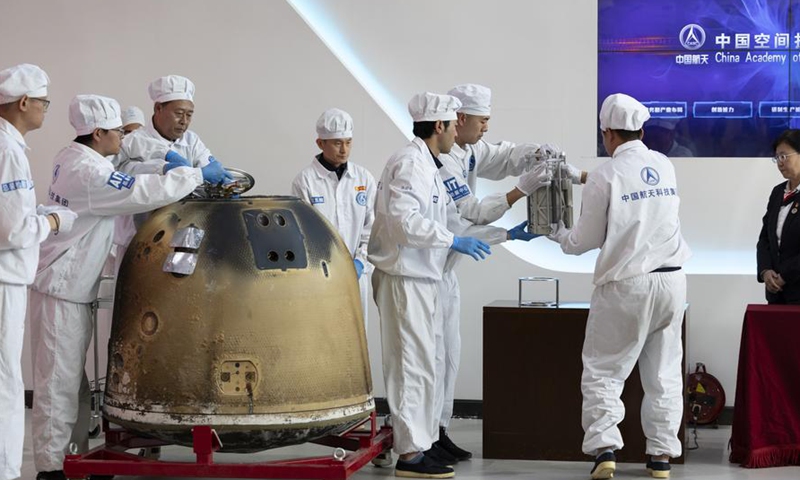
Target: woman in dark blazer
(778, 249)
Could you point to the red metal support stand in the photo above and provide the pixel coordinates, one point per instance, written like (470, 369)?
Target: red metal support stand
(358, 447)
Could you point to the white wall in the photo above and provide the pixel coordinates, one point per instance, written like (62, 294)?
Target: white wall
(263, 76)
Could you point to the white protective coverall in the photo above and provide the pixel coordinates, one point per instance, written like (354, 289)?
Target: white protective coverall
(415, 223)
(143, 151)
(460, 171)
(349, 204)
(630, 211)
(67, 280)
(21, 232)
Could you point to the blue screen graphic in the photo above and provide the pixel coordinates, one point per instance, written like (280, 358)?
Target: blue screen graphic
(720, 77)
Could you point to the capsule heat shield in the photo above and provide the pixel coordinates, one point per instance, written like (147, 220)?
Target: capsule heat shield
(263, 338)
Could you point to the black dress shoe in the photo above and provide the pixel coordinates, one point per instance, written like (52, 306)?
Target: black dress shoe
(446, 443)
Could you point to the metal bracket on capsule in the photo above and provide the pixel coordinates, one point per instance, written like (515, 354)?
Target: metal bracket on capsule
(186, 242)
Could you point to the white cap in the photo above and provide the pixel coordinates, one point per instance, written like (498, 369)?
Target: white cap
(475, 99)
(171, 87)
(429, 107)
(87, 112)
(334, 123)
(621, 112)
(21, 80)
(132, 115)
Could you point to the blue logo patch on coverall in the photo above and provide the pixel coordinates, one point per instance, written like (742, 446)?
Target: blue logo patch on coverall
(16, 185)
(455, 190)
(120, 180)
(650, 176)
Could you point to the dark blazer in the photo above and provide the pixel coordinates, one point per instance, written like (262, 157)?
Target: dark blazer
(785, 259)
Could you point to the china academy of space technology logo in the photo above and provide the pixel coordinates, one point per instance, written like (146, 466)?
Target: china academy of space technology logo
(692, 36)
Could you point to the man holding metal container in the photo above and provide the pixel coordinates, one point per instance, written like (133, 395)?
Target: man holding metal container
(630, 212)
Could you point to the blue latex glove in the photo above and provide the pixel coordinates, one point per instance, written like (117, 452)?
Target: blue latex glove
(215, 174)
(359, 267)
(175, 160)
(227, 177)
(471, 246)
(519, 233)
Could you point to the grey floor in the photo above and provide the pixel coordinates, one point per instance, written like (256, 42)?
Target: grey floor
(710, 461)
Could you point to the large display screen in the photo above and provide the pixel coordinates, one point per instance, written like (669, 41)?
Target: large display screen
(720, 77)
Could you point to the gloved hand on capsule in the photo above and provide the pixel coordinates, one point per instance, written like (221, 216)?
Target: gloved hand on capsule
(215, 174)
(175, 160)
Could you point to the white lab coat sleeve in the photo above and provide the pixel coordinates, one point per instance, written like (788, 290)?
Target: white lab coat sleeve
(496, 161)
(462, 227)
(485, 210)
(488, 233)
(140, 154)
(200, 154)
(478, 211)
(115, 193)
(139, 167)
(20, 226)
(409, 189)
(589, 231)
(369, 219)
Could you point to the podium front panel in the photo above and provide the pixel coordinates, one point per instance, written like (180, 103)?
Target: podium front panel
(532, 385)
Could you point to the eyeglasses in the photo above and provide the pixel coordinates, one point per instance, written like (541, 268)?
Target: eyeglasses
(120, 131)
(783, 156)
(45, 102)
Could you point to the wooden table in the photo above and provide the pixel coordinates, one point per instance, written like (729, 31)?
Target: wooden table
(531, 385)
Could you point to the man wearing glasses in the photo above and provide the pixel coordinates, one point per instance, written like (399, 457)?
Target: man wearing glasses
(70, 266)
(23, 103)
